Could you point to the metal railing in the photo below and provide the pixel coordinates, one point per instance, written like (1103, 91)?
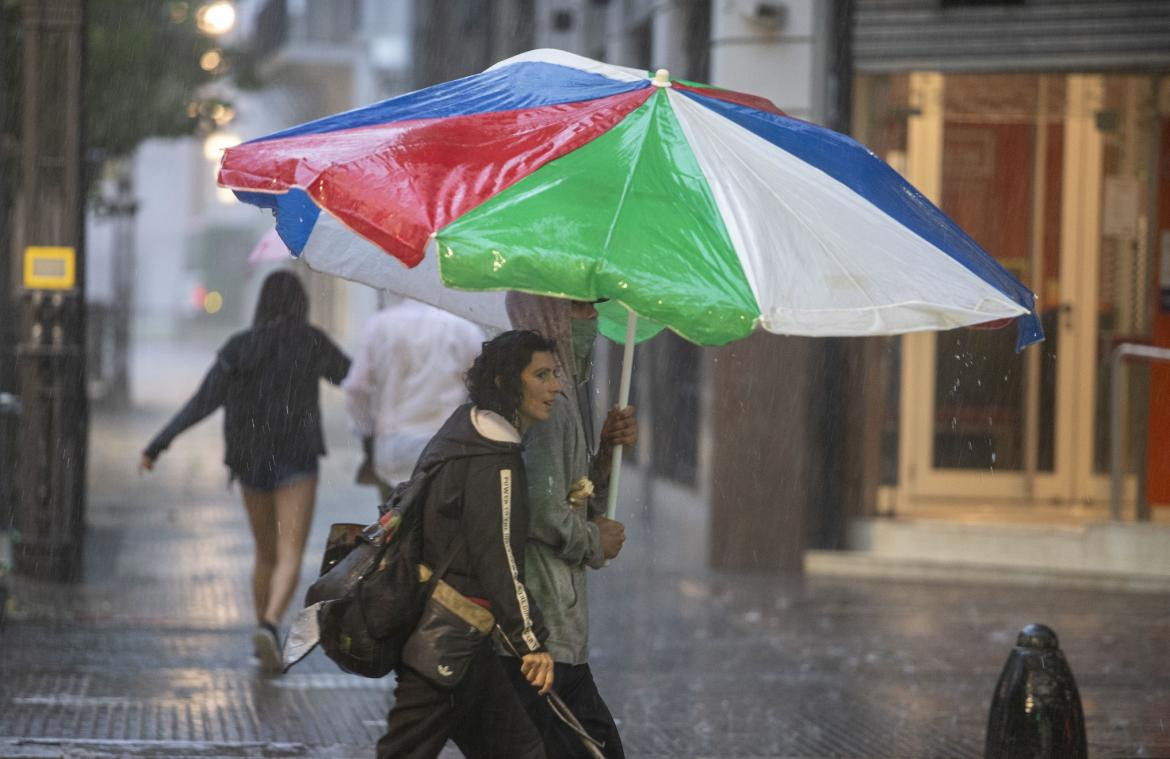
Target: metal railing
(1120, 353)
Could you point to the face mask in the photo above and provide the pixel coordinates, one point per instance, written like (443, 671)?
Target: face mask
(584, 334)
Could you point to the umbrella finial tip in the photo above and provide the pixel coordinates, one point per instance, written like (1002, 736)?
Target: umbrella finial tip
(661, 78)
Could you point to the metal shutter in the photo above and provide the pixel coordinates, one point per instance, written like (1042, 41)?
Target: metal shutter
(1048, 35)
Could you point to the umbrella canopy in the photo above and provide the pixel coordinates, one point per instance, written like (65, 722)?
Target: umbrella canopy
(706, 210)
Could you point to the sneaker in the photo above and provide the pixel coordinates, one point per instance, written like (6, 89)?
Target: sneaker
(267, 649)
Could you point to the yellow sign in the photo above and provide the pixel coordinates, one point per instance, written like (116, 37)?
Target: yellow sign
(49, 268)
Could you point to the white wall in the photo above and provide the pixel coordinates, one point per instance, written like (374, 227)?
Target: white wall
(786, 63)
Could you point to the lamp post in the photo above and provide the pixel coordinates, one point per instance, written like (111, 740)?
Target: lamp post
(48, 523)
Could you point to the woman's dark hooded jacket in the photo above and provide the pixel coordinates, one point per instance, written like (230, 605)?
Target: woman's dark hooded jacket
(267, 379)
(479, 489)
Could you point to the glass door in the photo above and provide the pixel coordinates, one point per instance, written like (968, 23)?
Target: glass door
(989, 422)
(1046, 173)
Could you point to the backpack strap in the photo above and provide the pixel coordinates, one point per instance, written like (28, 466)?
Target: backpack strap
(460, 543)
(412, 489)
(445, 564)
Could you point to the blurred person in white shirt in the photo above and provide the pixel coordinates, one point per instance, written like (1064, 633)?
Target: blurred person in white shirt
(406, 378)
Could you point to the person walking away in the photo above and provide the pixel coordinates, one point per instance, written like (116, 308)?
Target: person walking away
(267, 379)
(567, 527)
(476, 518)
(406, 378)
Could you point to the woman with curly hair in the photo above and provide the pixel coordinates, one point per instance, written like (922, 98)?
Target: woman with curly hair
(475, 522)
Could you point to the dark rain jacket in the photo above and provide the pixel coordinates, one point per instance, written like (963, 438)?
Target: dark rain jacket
(479, 489)
(267, 379)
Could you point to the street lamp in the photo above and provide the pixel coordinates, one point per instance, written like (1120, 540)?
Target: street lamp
(211, 61)
(216, 18)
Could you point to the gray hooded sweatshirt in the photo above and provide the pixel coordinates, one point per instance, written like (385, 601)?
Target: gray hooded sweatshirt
(562, 541)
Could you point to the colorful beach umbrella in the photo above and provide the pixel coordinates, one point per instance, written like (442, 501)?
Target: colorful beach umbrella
(705, 210)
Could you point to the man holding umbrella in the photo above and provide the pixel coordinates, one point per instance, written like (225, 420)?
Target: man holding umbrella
(567, 527)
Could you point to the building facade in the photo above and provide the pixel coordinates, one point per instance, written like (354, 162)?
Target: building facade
(1040, 128)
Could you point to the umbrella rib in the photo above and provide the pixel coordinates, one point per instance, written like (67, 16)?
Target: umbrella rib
(626, 187)
(1018, 310)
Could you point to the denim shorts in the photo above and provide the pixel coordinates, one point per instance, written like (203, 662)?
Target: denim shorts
(270, 475)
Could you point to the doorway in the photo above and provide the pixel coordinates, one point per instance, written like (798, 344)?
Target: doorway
(1050, 173)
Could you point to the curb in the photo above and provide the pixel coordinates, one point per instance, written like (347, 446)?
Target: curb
(861, 564)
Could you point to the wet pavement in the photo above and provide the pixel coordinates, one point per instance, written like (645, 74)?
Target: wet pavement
(149, 656)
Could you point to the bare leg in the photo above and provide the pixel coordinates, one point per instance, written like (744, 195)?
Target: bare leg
(294, 514)
(261, 508)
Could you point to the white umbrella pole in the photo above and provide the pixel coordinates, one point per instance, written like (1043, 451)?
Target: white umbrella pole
(623, 401)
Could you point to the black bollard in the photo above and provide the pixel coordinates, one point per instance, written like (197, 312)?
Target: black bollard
(1036, 711)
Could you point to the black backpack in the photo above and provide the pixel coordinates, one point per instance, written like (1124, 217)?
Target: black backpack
(369, 597)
